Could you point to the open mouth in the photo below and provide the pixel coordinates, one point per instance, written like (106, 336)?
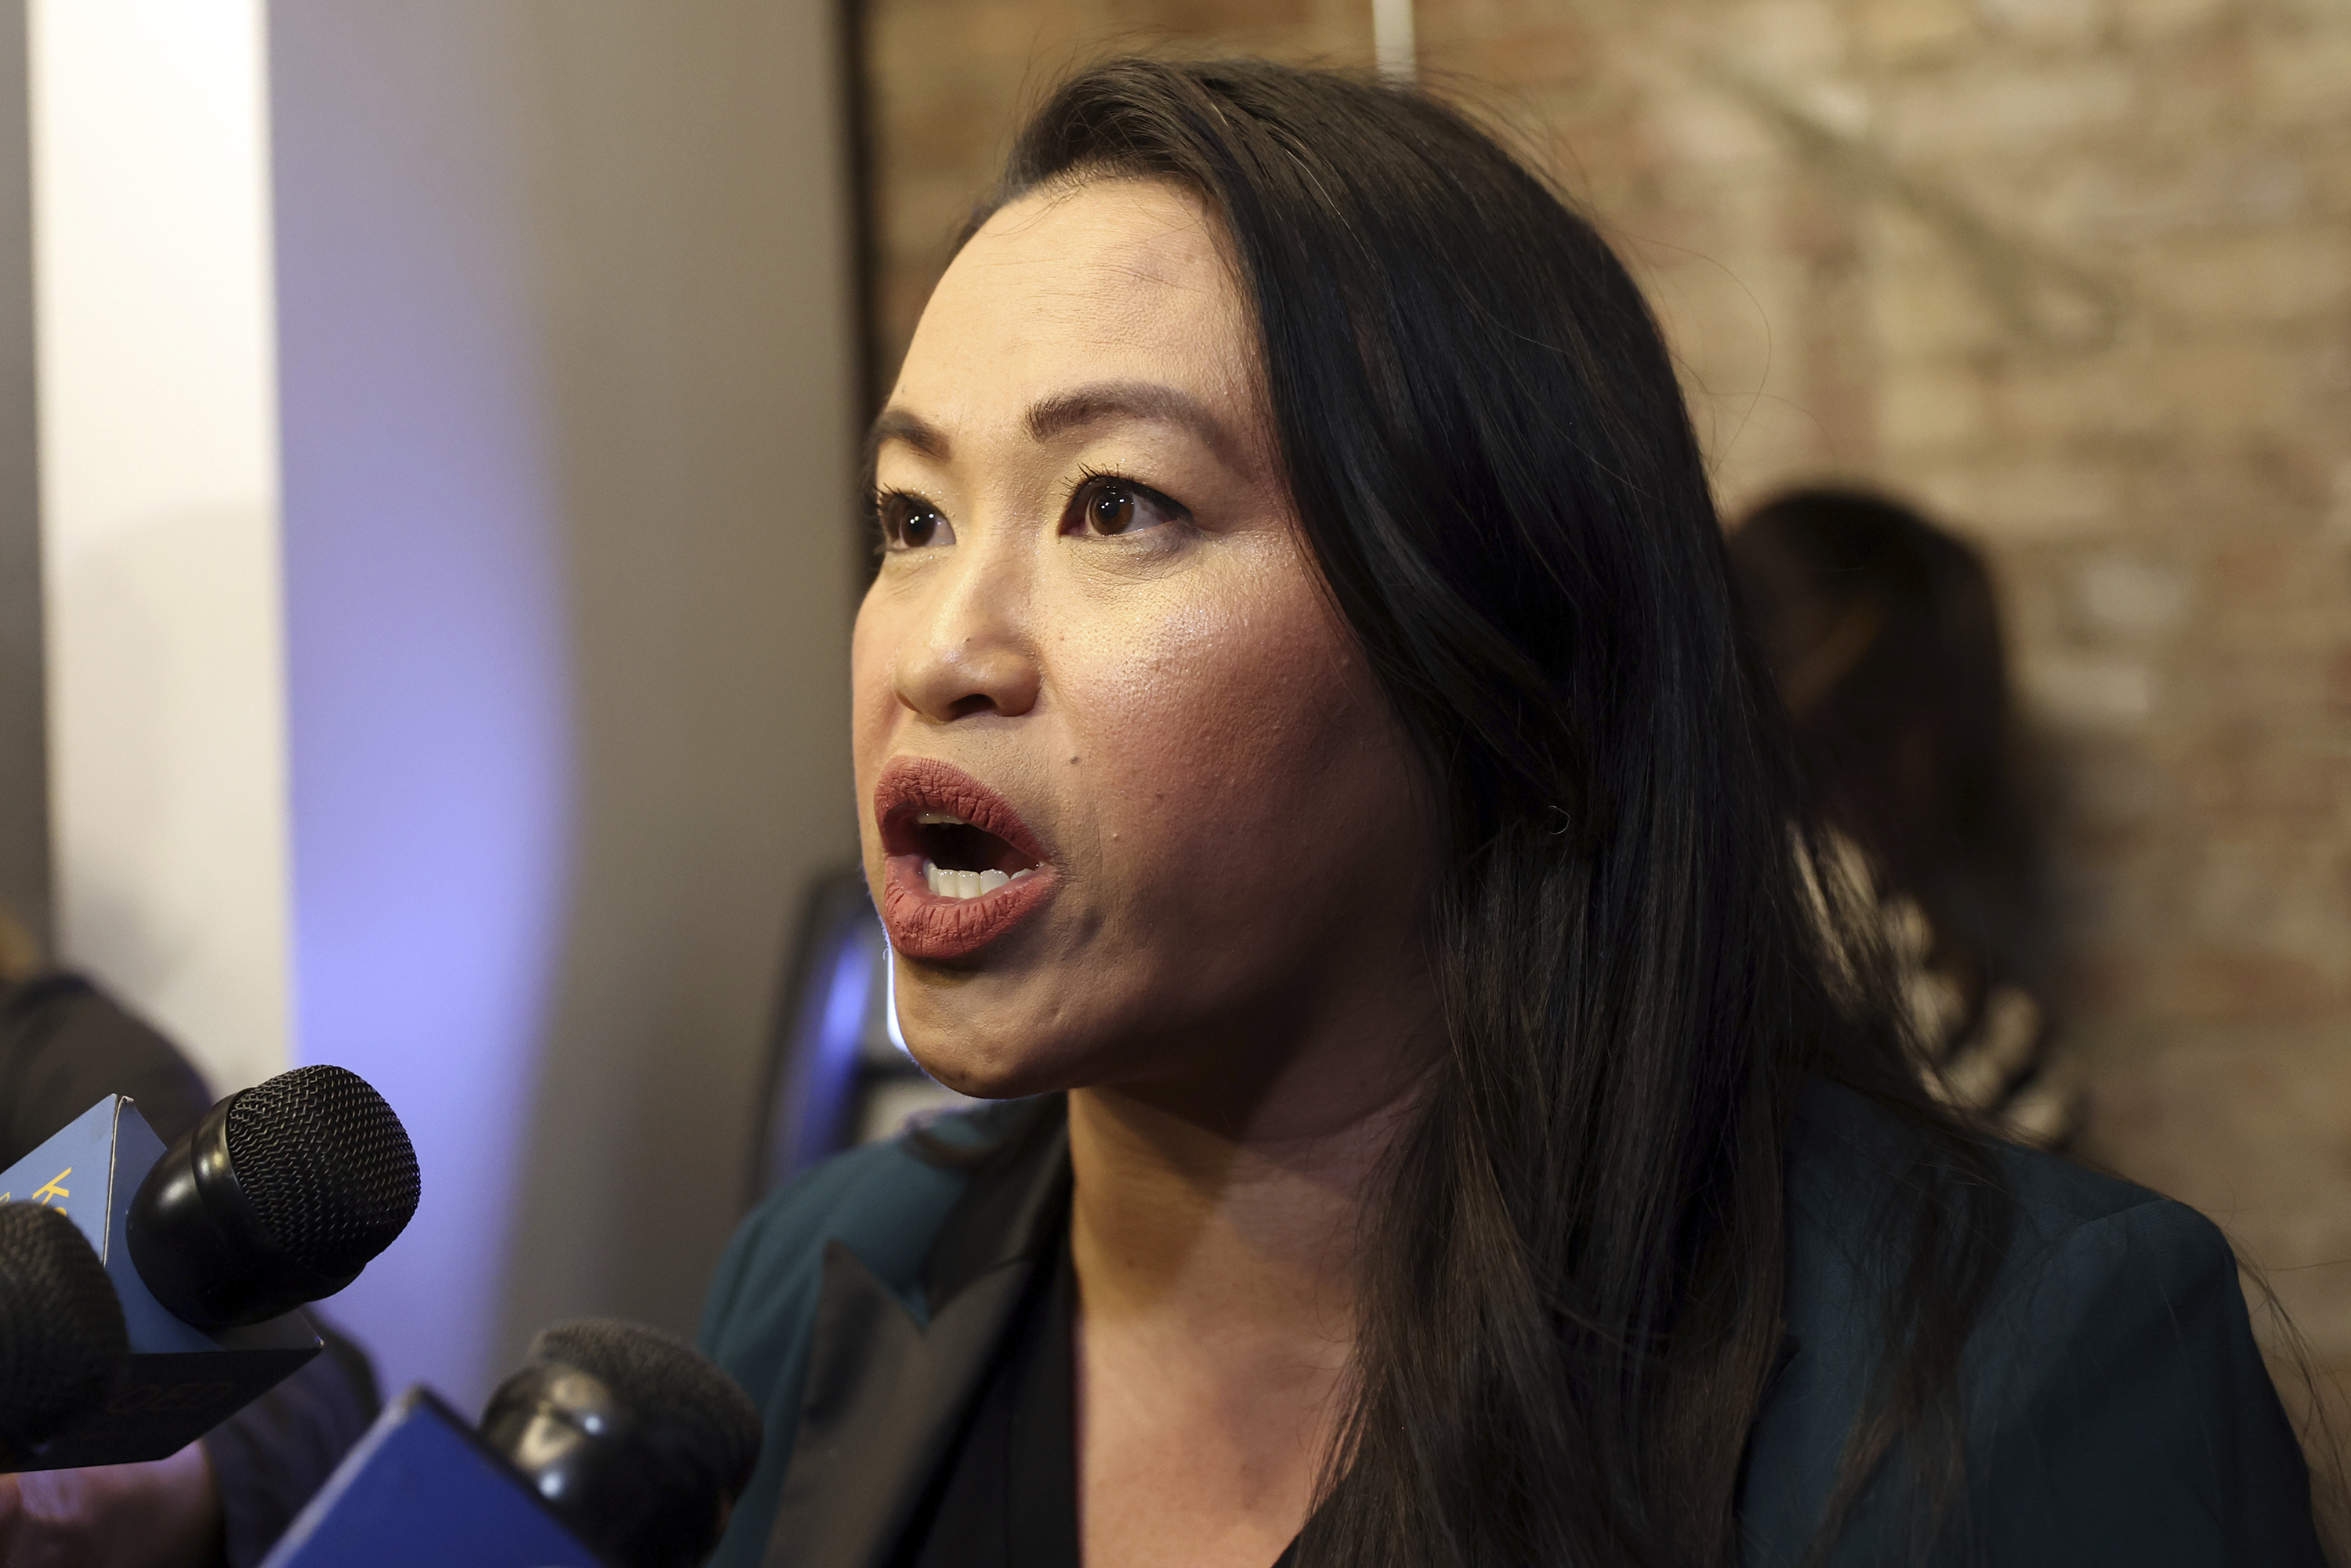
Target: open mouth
(962, 867)
(961, 861)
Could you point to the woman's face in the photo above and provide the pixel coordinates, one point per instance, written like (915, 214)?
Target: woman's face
(1131, 806)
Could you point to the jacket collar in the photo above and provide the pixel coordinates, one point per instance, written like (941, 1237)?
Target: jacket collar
(886, 1393)
(1016, 1209)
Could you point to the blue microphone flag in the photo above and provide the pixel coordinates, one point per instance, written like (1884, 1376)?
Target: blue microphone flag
(183, 1382)
(422, 1489)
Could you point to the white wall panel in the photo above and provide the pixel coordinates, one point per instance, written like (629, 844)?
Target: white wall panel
(159, 497)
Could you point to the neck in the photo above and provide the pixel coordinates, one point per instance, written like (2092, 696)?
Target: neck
(1234, 1222)
(1214, 1226)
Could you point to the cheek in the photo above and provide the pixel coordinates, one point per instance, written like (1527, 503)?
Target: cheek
(873, 703)
(869, 684)
(1228, 740)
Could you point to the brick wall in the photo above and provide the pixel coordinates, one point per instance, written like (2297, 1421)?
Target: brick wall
(947, 80)
(2075, 273)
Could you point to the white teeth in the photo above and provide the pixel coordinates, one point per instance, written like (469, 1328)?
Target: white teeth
(967, 883)
(940, 819)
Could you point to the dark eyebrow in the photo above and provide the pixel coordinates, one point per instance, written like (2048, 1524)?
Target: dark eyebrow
(897, 425)
(1145, 401)
(1104, 401)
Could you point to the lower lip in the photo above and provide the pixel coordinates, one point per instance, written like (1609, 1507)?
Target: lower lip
(930, 926)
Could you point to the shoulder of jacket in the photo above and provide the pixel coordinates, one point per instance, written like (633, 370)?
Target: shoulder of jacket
(2096, 1270)
(1845, 1151)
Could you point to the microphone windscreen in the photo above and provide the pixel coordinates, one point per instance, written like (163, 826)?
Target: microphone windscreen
(62, 1339)
(325, 1164)
(665, 1381)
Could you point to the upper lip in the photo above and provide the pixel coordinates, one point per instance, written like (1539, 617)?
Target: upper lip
(911, 786)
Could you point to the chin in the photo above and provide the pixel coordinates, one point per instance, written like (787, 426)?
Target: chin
(975, 1050)
(986, 1074)
(1005, 1032)
(1032, 1022)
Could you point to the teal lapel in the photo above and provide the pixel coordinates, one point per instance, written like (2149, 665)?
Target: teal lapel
(885, 1392)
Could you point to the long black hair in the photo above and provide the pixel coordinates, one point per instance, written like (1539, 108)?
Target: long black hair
(1571, 1282)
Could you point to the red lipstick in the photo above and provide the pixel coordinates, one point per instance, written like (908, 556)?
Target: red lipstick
(932, 811)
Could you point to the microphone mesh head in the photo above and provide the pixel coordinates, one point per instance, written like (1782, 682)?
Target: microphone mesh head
(325, 1164)
(62, 1342)
(661, 1377)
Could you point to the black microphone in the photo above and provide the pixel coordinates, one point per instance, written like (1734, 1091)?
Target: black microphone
(617, 1446)
(63, 1346)
(280, 1196)
(631, 1435)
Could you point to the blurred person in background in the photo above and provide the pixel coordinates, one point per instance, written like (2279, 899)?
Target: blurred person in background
(222, 1501)
(1308, 764)
(1883, 635)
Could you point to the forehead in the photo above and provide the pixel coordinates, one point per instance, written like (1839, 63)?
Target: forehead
(1112, 280)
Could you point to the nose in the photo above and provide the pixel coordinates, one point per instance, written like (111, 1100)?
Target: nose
(972, 653)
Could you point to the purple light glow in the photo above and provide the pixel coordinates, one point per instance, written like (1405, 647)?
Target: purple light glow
(831, 1073)
(428, 708)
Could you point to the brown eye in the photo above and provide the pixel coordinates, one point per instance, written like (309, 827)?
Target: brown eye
(909, 522)
(1108, 506)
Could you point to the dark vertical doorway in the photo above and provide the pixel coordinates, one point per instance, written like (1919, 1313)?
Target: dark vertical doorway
(24, 750)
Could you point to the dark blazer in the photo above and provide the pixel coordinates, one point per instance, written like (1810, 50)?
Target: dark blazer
(2118, 1411)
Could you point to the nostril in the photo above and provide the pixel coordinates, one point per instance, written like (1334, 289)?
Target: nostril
(979, 701)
